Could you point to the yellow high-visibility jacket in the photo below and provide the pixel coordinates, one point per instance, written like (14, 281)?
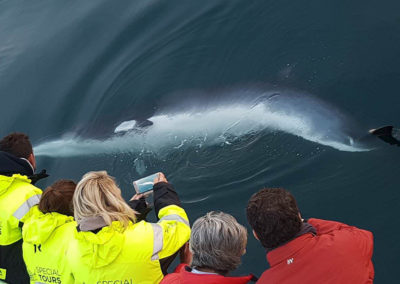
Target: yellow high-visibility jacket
(17, 197)
(131, 255)
(45, 241)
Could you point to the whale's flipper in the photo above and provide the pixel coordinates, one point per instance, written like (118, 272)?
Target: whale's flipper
(133, 125)
(388, 133)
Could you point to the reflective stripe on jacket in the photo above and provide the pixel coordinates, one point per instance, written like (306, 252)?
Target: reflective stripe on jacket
(17, 197)
(45, 241)
(131, 255)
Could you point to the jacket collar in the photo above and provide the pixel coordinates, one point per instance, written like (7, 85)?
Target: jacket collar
(212, 278)
(10, 164)
(305, 228)
(93, 223)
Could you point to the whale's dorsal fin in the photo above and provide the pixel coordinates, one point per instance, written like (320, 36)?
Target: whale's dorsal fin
(385, 133)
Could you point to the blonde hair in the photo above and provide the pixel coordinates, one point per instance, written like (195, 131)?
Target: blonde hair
(97, 194)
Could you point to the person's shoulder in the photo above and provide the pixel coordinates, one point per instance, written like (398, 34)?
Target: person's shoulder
(69, 227)
(24, 183)
(140, 227)
(265, 277)
(175, 278)
(273, 276)
(140, 232)
(36, 190)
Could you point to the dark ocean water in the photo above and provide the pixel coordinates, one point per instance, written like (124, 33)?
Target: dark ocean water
(242, 95)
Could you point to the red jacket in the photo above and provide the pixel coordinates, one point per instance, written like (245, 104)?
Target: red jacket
(182, 275)
(339, 253)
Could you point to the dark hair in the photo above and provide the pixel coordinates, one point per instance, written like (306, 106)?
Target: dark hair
(58, 198)
(274, 216)
(17, 144)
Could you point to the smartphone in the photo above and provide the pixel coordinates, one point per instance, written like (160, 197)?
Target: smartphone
(145, 185)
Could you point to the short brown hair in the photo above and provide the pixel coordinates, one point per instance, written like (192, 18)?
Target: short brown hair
(274, 216)
(58, 198)
(17, 144)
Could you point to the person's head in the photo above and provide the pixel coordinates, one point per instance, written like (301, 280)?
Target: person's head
(19, 145)
(97, 194)
(274, 216)
(217, 242)
(58, 198)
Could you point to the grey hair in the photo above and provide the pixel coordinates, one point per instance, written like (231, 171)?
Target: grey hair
(217, 242)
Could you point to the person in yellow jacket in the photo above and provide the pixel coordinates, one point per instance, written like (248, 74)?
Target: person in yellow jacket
(17, 196)
(110, 247)
(47, 233)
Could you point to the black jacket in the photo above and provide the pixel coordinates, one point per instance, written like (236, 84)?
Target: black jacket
(10, 164)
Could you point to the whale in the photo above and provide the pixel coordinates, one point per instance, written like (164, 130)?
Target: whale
(201, 117)
(307, 113)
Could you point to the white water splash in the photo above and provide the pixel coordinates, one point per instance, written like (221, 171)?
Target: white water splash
(209, 127)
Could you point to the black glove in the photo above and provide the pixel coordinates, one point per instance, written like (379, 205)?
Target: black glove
(142, 207)
(36, 177)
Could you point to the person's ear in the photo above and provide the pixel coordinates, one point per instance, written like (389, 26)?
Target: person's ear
(32, 160)
(255, 235)
(186, 254)
(302, 220)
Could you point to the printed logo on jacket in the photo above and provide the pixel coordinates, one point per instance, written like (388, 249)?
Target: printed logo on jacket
(123, 281)
(48, 275)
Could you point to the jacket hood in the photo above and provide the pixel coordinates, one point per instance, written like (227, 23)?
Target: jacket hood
(10, 164)
(100, 249)
(7, 181)
(39, 227)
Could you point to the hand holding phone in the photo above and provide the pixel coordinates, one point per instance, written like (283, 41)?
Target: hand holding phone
(160, 178)
(145, 185)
